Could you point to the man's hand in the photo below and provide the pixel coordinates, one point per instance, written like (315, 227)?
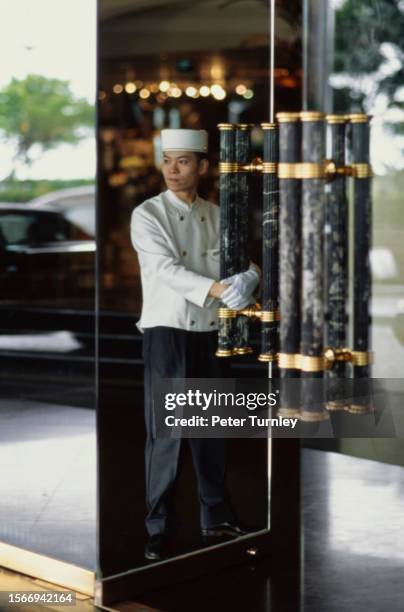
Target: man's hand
(242, 286)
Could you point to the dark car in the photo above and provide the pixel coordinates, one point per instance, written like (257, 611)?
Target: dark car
(45, 259)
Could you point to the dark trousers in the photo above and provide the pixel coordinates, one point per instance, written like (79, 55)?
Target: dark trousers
(176, 353)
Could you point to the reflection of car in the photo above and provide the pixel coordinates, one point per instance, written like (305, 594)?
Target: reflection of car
(77, 204)
(44, 258)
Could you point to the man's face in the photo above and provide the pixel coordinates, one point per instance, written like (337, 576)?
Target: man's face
(182, 170)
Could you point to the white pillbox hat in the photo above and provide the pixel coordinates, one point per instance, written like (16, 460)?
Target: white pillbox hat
(184, 140)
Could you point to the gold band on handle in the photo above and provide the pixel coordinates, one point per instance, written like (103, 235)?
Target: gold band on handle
(311, 116)
(226, 313)
(311, 417)
(287, 117)
(301, 170)
(269, 126)
(288, 412)
(289, 361)
(226, 126)
(269, 167)
(359, 118)
(224, 353)
(311, 363)
(270, 316)
(332, 119)
(267, 357)
(362, 171)
(243, 350)
(362, 358)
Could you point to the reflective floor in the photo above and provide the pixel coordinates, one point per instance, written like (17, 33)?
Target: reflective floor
(353, 549)
(47, 487)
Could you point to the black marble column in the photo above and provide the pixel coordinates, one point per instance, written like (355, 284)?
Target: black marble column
(336, 246)
(228, 235)
(242, 157)
(360, 134)
(362, 238)
(270, 245)
(289, 254)
(312, 304)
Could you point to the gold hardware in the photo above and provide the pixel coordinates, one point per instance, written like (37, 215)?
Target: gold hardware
(288, 412)
(312, 116)
(289, 361)
(332, 119)
(362, 358)
(267, 357)
(301, 170)
(336, 405)
(362, 170)
(359, 409)
(255, 165)
(244, 126)
(226, 126)
(270, 316)
(311, 363)
(226, 313)
(254, 310)
(224, 353)
(359, 118)
(243, 350)
(311, 417)
(332, 355)
(287, 117)
(269, 167)
(269, 126)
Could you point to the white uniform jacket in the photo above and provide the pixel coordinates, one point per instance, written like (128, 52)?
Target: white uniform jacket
(178, 249)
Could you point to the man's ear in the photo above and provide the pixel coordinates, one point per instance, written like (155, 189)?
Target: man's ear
(203, 166)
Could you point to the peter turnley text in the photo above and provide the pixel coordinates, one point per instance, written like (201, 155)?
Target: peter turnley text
(200, 399)
(217, 421)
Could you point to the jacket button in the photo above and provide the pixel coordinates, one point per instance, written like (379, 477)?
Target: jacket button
(192, 323)
(184, 253)
(202, 218)
(212, 323)
(181, 218)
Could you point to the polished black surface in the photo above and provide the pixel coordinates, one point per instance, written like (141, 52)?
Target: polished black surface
(353, 528)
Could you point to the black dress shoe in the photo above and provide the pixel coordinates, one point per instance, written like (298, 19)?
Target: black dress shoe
(225, 529)
(156, 548)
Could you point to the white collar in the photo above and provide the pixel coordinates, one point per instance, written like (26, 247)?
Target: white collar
(179, 204)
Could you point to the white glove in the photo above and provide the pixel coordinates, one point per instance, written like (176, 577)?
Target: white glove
(242, 286)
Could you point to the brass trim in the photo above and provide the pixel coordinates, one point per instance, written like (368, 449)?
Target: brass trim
(269, 126)
(302, 170)
(332, 119)
(255, 165)
(332, 355)
(224, 353)
(311, 417)
(359, 409)
(244, 350)
(288, 412)
(226, 126)
(226, 313)
(359, 118)
(244, 126)
(269, 167)
(46, 568)
(226, 167)
(336, 405)
(270, 316)
(254, 310)
(361, 171)
(289, 361)
(312, 116)
(267, 357)
(362, 358)
(311, 363)
(287, 117)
